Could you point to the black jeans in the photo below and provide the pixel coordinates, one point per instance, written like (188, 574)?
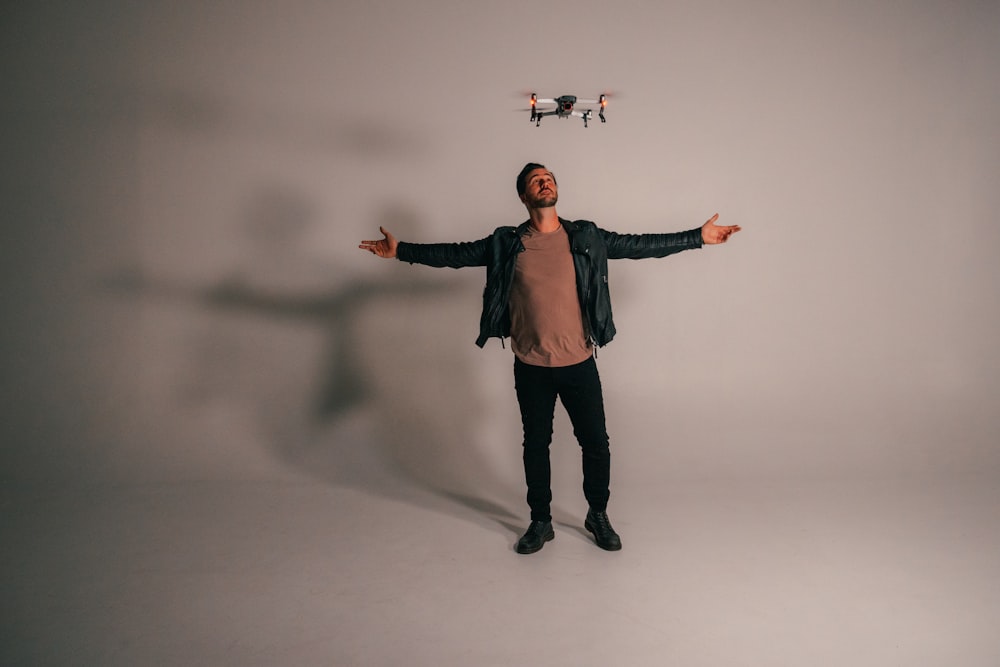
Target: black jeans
(579, 389)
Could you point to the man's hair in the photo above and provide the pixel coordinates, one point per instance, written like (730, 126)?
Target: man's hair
(523, 176)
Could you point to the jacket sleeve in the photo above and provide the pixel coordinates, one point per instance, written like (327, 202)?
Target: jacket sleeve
(643, 246)
(452, 255)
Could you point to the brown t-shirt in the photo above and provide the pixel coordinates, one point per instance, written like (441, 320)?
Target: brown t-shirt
(546, 326)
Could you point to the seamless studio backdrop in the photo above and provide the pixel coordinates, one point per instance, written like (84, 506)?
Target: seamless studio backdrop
(190, 331)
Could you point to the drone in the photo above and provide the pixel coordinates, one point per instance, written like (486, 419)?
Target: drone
(566, 107)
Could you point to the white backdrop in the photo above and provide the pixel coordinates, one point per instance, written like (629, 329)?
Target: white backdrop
(184, 189)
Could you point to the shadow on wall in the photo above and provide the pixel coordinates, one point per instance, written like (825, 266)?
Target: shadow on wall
(335, 132)
(389, 404)
(393, 407)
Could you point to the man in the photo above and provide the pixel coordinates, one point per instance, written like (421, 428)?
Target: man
(547, 290)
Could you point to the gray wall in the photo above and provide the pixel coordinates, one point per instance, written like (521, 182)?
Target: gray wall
(184, 190)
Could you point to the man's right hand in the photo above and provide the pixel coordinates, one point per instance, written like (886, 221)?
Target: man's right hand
(383, 247)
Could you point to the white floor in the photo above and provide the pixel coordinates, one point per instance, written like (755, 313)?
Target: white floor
(302, 572)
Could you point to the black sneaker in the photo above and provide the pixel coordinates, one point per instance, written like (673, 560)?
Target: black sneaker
(538, 533)
(605, 536)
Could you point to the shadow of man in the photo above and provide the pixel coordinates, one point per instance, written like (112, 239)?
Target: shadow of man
(395, 409)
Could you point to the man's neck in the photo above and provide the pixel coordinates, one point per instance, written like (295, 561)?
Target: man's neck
(544, 220)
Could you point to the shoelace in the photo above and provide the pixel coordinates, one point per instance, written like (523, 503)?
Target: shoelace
(600, 520)
(537, 527)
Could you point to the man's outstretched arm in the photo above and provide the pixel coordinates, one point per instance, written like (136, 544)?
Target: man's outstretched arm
(385, 247)
(453, 255)
(712, 233)
(644, 246)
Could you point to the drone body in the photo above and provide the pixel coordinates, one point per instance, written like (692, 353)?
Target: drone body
(565, 106)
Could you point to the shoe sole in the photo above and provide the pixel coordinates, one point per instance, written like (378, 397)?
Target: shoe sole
(548, 538)
(606, 547)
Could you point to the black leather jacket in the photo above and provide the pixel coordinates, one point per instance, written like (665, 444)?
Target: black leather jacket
(591, 246)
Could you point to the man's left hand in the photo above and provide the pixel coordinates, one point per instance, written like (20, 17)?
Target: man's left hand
(712, 233)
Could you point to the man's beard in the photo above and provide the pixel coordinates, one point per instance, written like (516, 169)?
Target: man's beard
(544, 201)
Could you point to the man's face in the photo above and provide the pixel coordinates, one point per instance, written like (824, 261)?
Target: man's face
(540, 190)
